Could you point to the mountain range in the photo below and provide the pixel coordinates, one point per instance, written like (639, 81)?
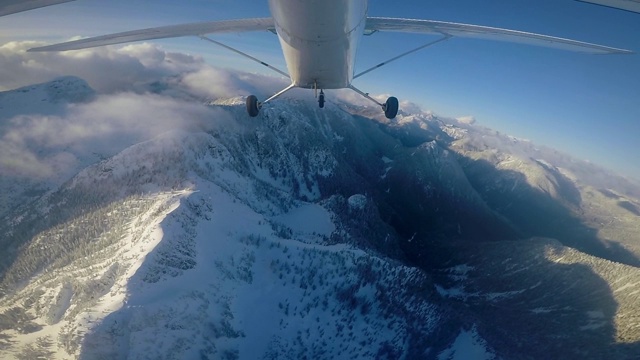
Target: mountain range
(308, 233)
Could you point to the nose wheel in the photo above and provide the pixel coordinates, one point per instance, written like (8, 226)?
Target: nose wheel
(321, 99)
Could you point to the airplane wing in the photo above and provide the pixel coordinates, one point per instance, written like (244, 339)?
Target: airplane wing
(8, 7)
(196, 29)
(629, 5)
(484, 32)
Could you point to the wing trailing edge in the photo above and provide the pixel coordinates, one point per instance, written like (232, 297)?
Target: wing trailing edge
(373, 24)
(628, 5)
(485, 32)
(164, 32)
(9, 7)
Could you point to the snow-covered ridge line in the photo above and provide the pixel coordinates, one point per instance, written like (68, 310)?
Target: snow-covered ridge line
(290, 237)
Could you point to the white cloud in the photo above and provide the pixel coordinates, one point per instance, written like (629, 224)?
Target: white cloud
(106, 69)
(124, 111)
(412, 108)
(44, 146)
(212, 82)
(469, 119)
(112, 69)
(45, 143)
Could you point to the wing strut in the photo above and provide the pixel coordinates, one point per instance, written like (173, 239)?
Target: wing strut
(443, 38)
(390, 107)
(253, 105)
(245, 55)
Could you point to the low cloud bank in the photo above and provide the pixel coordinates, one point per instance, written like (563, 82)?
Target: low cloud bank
(129, 68)
(467, 119)
(125, 110)
(45, 146)
(106, 69)
(142, 91)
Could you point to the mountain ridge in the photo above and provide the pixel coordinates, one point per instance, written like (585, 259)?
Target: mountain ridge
(319, 233)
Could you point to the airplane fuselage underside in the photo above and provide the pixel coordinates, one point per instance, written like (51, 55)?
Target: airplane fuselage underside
(319, 39)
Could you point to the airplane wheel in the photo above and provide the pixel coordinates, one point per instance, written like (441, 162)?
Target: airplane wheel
(391, 108)
(252, 106)
(321, 100)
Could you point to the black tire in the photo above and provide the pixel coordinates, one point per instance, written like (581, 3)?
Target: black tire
(321, 101)
(252, 106)
(391, 108)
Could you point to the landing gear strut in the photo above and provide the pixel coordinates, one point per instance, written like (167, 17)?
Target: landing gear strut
(253, 105)
(390, 107)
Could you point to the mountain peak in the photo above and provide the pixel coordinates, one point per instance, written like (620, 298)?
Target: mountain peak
(49, 98)
(70, 89)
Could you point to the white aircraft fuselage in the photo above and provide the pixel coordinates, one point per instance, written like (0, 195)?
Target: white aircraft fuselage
(319, 39)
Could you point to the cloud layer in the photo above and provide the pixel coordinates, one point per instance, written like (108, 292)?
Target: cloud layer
(142, 91)
(46, 144)
(106, 69)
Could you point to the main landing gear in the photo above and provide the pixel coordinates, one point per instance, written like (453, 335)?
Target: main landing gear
(252, 106)
(390, 107)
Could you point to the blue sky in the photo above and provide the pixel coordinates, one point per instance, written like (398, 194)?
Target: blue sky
(586, 105)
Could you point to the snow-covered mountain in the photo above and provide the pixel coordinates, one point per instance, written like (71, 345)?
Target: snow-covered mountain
(47, 100)
(320, 233)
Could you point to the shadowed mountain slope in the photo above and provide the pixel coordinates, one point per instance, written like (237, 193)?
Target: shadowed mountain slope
(319, 233)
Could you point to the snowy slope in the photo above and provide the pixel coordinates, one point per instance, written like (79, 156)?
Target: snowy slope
(16, 107)
(311, 233)
(200, 271)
